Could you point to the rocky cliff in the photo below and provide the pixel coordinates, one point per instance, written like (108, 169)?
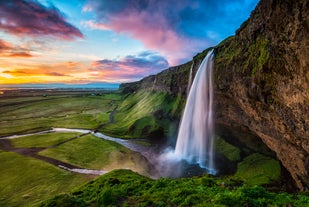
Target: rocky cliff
(261, 82)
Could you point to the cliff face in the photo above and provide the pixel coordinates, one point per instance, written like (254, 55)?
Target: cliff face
(261, 82)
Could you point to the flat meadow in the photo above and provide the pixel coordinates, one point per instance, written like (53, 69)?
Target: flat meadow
(26, 178)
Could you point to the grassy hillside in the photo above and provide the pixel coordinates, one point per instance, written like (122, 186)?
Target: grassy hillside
(126, 188)
(145, 114)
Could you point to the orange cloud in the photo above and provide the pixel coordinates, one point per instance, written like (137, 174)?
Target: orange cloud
(4, 45)
(61, 72)
(9, 50)
(21, 54)
(32, 72)
(131, 67)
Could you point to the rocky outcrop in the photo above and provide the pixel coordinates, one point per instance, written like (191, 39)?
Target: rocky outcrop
(261, 82)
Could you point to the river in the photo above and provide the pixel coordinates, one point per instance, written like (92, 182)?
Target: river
(133, 145)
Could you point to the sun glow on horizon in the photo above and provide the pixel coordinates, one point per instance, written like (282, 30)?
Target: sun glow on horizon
(91, 41)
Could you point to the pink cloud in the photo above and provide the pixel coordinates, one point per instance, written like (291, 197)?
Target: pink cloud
(131, 67)
(156, 35)
(9, 50)
(176, 29)
(154, 23)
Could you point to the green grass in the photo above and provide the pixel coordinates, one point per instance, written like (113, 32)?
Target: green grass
(71, 112)
(143, 114)
(42, 140)
(95, 153)
(112, 96)
(19, 100)
(87, 152)
(25, 181)
(125, 188)
(257, 169)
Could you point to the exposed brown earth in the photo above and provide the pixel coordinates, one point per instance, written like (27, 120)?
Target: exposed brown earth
(5, 144)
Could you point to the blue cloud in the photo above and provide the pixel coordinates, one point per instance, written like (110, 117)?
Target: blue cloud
(189, 18)
(131, 66)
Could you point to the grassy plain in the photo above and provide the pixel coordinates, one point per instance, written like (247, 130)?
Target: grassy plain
(42, 140)
(90, 152)
(31, 114)
(25, 181)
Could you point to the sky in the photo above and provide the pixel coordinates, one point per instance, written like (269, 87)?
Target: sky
(111, 41)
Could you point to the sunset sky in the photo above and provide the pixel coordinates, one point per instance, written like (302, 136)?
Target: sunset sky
(83, 41)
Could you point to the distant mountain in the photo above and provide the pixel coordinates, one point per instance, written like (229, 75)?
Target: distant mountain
(93, 85)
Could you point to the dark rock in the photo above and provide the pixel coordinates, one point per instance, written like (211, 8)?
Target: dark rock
(262, 81)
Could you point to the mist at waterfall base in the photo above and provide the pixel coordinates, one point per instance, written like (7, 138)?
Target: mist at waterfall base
(193, 153)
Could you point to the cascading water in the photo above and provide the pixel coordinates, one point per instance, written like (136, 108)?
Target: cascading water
(196, 133)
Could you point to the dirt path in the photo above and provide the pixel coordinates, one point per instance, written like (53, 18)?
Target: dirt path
(6, 145)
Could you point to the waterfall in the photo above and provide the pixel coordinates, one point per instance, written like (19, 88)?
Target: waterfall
(196, 133)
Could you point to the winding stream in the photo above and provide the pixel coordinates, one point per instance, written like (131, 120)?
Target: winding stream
(130, 144)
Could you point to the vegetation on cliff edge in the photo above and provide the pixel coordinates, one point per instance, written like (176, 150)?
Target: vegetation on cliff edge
(126, 188)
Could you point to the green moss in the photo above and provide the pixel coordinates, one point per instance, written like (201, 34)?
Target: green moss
(258, 55)
(125, 188)
(264, 52)
(232, 54)
(200, 56)
(227, 50)
(257, 169)
(231, 152)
